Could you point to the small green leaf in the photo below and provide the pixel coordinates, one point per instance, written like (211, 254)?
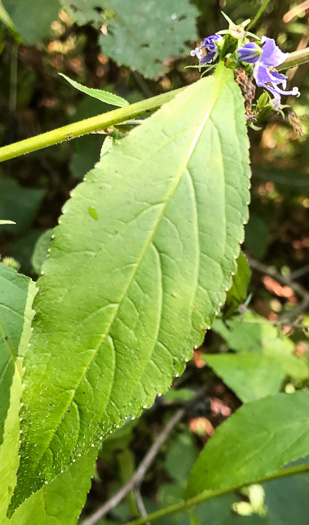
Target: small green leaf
(257, 233)
(41, 250)
(238, 292)
(18, 203)
(182, 394)
(93, 213)
(250, 376)
(258, 440)
(182, 446)
(103, 96)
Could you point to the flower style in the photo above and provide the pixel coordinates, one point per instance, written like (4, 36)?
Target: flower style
(211, 45)
(264, 72)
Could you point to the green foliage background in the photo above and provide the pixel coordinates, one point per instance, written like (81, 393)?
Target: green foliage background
(136, 50)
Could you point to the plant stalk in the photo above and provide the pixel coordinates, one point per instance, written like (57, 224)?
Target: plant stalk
(83, 127)
(204, 496)
(106, 120)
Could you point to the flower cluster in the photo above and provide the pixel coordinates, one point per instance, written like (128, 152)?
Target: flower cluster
(260, 60)
(211, 45)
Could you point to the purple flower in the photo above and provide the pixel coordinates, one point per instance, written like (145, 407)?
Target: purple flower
(272, 54)
(264, 71)
(269, 78)
(250, 52)
(209, 43)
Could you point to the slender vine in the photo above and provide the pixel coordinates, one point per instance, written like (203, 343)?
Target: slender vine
(204, 496)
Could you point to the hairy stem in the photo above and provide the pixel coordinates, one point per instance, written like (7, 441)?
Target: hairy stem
(111, 118)
(83, 127)
(295, 59)
(200, 498)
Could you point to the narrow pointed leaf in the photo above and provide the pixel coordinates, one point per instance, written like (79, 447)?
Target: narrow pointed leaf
(103, 96)
(60, 502)
(259, 439)
(14, 291)
(16, 296)
(126, 296)
(7, 222)
(238, 292)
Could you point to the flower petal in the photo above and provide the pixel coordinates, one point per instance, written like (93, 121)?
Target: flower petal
(272, 54)
(208, 58)
(249, 52)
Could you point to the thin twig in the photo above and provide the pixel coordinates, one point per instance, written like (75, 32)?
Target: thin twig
(139, 475)
(295, 11)
(142, 84)
(286, 281)
(141, 505)
(277, 323)
(299, 273)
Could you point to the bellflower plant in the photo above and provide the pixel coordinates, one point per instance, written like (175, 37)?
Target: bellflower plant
(258, 61)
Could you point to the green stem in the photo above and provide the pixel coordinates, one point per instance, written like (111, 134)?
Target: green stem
(295, 59)
(204, 496)
(259, 13)
(86, 126)
(111, 118)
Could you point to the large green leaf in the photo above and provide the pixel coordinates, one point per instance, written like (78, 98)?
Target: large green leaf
(259, 439)
(6, 19)
(30, 19)
(140, 35)
(85, 12)
(128, 293)
(143, 35)
(60, 502)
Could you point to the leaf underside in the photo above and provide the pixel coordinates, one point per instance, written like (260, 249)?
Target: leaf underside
(126, 296)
